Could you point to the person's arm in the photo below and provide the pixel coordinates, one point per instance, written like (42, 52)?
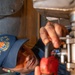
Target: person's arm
(51, 33)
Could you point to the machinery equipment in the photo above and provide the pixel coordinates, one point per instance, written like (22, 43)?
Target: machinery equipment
(61, 9)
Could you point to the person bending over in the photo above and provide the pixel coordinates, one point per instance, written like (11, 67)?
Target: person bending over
(28, 59)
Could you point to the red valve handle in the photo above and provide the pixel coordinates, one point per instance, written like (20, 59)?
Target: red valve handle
(49, 64)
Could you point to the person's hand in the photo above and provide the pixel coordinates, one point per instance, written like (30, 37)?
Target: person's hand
(37, 71)
(52, 32)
